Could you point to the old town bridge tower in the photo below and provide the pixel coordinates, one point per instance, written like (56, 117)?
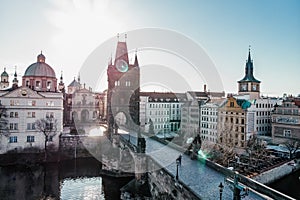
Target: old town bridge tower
(123, 92)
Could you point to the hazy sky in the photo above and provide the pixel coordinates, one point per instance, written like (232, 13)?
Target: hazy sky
(68, 31)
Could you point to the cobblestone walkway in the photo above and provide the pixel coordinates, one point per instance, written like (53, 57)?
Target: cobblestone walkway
(202, 179)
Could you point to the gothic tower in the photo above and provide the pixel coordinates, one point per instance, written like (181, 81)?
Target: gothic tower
(123, 91)
(249, 85)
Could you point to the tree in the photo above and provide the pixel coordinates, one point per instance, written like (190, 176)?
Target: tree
(4, 131)
(3, 121)
(292, 147)
(48, 127)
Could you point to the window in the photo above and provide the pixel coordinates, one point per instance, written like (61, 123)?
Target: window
(231, 104)
(30, 126)
(48, 85)
(13, 126)
(11, 115)
(117, 83)
(49, 115)
(49, 103)
(127, 83)
(31, 114)
(243, 121)
(32, 103)
(14, 102)
(49, 138)
(287, 133)
(16, 114)
(30, 138)
(13, 139)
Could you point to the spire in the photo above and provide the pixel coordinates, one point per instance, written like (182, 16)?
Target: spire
(136, 62)
(249, 77)
(249, 55)
(15, 75)
(78, 78)
(15, 80)
(61, 76)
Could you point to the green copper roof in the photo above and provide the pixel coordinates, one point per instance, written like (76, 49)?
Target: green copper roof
(4, 73)
(249, 71)
(243, 103)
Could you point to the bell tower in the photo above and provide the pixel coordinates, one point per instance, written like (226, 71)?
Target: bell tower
(249, 85)
(4, 80)
(123, 91)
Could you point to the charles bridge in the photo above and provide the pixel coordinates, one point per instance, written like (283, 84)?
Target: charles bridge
(189, 179)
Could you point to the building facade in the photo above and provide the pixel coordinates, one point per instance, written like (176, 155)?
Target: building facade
(37, 98)
(161, 109)
(286, 121)
(233, 130)
(209, 120)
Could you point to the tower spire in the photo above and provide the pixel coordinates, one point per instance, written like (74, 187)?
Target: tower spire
(61, 76)
(136, 62)
(15, 80)
(249, 55)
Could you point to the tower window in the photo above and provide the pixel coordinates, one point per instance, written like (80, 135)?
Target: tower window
(117, 83)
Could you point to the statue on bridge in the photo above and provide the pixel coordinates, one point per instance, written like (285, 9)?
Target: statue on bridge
(195, 147)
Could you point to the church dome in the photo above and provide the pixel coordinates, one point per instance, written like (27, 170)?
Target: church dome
(4, 73)
(40, 68)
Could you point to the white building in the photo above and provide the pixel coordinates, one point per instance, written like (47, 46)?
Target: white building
(36, 99)
(164, 110)
(209, 120)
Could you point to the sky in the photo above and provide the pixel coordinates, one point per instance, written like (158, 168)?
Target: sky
(68, 32)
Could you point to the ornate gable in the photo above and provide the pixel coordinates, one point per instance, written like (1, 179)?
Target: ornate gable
(23, 92)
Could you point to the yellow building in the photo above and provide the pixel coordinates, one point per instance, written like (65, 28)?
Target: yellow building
(232, 124)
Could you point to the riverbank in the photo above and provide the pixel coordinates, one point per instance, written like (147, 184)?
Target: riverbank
(277, 173)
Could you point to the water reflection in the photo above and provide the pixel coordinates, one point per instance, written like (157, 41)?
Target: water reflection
(78, 179)
(82, 188)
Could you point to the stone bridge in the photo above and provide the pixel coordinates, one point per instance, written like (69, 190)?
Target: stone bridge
(192, 179)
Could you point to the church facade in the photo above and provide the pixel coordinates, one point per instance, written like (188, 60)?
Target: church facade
(37, 98)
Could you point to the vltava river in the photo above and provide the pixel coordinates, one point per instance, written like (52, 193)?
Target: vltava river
(67, 180)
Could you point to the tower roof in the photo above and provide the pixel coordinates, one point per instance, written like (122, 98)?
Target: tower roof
(249, 77)
(121, 52)
(136, 62)
(4, 73)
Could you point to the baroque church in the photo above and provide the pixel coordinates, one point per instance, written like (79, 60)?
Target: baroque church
(38, 97)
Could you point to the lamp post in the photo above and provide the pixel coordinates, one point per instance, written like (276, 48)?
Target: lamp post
(177, 164)
(221, 190)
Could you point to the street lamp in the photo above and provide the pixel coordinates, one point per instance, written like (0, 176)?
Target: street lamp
(221, 190)
(177, 164)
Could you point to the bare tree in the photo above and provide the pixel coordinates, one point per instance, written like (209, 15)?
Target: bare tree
(224, 151)
(48, 127)
(3, 121)
(4, 131)
(292, 146)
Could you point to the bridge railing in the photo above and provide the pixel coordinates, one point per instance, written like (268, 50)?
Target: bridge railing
(259, 187)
